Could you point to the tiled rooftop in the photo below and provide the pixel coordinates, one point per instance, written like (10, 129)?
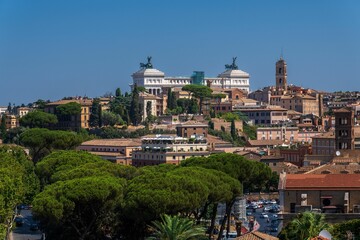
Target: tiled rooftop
(118, 142)
(256, 235)
(321, 181)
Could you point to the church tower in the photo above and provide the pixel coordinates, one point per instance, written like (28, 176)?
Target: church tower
(281, 75)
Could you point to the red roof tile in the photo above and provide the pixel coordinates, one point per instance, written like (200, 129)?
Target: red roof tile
(322, 181)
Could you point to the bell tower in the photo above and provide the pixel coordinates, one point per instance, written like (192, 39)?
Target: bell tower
(281, 75)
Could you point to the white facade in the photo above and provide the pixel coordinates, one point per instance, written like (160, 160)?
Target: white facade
(154, 80)
(2, 110)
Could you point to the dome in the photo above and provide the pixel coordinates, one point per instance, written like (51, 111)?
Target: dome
(148, 72)
(233, 73)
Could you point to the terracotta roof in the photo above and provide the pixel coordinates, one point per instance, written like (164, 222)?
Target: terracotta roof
(321, 181)
(243, 153)
(255, 235)
(267, 108)
(336, 169)
(83, 102)
(320, 238)
(330, 135)
(107, 154)
(297, 96)
(117, 142)
(292, 112)
(265, 142)
(213, 139)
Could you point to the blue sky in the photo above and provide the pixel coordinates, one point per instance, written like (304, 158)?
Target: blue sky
(52, 49)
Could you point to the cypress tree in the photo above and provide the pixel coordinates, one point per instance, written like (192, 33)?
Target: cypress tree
(233, 129)
(148, 109)
(135, 114)
(95, 117)
(169, 99)
(118, 92)
(3, 127)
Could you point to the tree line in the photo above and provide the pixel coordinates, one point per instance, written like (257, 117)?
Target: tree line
(85, 197)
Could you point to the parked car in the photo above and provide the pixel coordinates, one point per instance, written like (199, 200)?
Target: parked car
(19, 221)
(34, 227)
(267, 208)
(275, 209)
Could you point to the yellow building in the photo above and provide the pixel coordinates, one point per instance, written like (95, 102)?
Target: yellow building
(75, 122)
(115, 150)
(11, 121)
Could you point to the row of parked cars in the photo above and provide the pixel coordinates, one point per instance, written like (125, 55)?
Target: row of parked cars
(267, 204)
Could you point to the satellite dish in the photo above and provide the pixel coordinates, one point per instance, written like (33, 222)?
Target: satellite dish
(325, 234)
(337, 153)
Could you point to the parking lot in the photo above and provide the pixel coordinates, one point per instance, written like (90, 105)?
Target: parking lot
(266, 215)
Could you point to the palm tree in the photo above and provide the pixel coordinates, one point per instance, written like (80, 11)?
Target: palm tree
(307, 225)
(175, 228)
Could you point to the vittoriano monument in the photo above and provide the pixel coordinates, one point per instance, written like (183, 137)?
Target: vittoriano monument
(232, 66)
(148, 64)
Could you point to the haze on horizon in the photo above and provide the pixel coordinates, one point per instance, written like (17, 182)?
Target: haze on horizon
(53, 49)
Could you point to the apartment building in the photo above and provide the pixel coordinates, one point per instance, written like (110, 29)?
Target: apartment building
(73, 122)
(289, 134)
(192, 128)
(168, 149)
(266, 115)
(115, 150)
(324, 144)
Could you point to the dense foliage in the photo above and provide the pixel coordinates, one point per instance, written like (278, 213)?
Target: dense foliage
(175, 228)
(18, 184)
(42, 141)
(68, 109)
(38, 119)
(85, 197)
(342, 230)
(200, 92)
(306, 225)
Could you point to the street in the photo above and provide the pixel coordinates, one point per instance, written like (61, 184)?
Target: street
(24, 232)
(270, 225)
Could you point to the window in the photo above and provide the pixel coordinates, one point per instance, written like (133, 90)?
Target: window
(280, 71)
(174, 157)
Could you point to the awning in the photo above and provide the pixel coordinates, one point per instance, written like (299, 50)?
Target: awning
(326, 197)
